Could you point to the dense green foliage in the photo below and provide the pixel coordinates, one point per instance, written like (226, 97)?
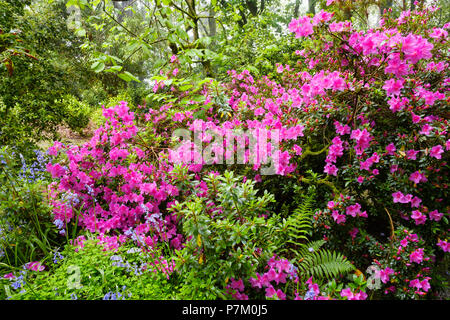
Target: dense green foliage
(93, 206)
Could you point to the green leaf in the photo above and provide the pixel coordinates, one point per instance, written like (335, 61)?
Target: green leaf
(128, 77)
(185, 87)
(80, 32)
(98, 66)
(114, 69)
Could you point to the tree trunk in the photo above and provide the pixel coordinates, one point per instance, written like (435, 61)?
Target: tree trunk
(262, 6)
(243, 21)
(212, 22)
(252, 7)
(193, 13)
(296, 8)
(347, 13)
(312, 6)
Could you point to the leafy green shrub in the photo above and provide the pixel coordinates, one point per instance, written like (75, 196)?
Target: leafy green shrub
(78, 113)
(94, 96)
(90, 272)
(228, 234)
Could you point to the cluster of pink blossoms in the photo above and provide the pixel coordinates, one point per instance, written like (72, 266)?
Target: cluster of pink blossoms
(35, 266)
(113, 191)
(337, 210)
(335, 150)
(417, 215)
(444, 245)
(279, 271)
(236, 289)
(420, 285)
(350, 295)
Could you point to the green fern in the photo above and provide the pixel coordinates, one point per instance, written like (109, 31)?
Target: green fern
(299, 224)
(310, 257)
(322, 263)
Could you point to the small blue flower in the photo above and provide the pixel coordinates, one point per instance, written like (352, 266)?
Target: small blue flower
(59, 223)
(310, 295)
(116, 258)
(57, 257)
(16, 285)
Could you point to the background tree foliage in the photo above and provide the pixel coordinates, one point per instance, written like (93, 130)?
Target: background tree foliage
(57, 52)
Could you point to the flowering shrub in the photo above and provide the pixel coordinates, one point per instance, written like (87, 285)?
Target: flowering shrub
(115, 183)
(361, 118)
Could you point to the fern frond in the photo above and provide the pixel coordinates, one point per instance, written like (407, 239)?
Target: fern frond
(300, 222)
(325, 264)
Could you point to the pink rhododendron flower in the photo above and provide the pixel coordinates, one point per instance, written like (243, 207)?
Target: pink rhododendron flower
(444, 245)
(341, 129)
(435, 215)
(393, 86)
(411, 154)
(436, 151)
(330, 169)
(385, 273)
(353, 210)
(416, 256)
(390, 148)
(298, 150)
(415, 117)
(393, 168)
(399, 197)
(302, 27)
(347, 292)
(416, 48)
(426, 129)
(404, 242)
(438, 33)
(339, 218)
(53, 150)
(9, 276)
(362, 138)
(271, 292)
(418, 177)
(353, 232)
(56, 170)
(419, 217)
(238, 285)
(397, 66)
(415, 202)
(415, 284)
(322, 16)
(425, 284)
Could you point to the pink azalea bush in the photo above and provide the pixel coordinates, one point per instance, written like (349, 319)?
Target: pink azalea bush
(361, 115)
(115, 185)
